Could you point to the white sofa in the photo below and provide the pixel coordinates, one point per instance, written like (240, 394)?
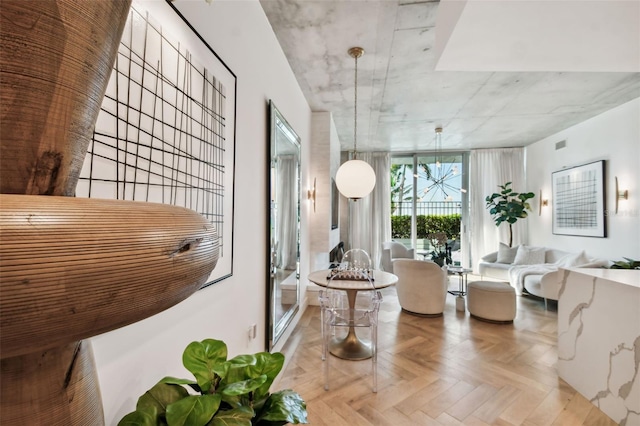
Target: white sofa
(542, 280)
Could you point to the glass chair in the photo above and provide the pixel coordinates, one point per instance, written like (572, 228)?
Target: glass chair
(343, 308)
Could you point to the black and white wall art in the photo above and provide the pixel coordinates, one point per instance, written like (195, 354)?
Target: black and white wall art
(578, 200)
(166, 129)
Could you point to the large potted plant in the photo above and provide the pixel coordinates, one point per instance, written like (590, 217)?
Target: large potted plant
(508, 206)
(224, 392)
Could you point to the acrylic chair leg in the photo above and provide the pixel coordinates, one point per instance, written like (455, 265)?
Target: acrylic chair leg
(374, 356)
(545, 304)
(323, 334)
(325, 358)
(326, 374)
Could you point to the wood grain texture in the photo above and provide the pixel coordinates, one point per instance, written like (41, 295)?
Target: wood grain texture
(72, 268)
(58, 386)
(75, 267)
(449, 370)
(56, 58)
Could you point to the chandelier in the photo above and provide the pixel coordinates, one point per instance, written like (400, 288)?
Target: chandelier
(440, 173)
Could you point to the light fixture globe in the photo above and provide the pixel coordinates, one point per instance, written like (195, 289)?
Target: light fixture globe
(355, 179)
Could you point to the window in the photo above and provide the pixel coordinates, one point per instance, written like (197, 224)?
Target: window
(428, 198)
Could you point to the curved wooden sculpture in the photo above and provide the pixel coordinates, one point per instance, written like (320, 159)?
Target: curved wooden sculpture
(76, 267)
(72, 268)
(57, 56)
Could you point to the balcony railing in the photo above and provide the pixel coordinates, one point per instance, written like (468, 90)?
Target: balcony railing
(426, 208)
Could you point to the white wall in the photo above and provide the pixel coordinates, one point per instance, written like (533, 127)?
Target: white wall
(613, 136)
(326, 160)
(132, 359)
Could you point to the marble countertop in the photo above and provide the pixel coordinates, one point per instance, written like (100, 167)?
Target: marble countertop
(623, 276)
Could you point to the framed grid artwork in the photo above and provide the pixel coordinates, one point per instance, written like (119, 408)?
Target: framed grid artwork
(579, 201)
(166, 128)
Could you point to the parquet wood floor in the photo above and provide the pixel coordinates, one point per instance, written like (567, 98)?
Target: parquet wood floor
(450, 370)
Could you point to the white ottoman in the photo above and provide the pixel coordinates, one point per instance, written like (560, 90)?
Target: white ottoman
(491, 301)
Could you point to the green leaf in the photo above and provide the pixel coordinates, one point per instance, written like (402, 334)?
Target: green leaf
(242, 361)
(194, 410)
(158, 398)
(244, 387)
(236, 369)
(176, 381)
(240, 416)
(139, 418)
(269, 364)
(204, 360)
(285, 405)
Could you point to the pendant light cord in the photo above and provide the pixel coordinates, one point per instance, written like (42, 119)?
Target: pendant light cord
(355, 114)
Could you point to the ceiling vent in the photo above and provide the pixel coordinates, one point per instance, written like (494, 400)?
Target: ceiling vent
(561, 144)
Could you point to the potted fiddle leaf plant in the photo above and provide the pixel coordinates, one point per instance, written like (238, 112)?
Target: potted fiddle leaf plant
(508, 206)
(225, 392)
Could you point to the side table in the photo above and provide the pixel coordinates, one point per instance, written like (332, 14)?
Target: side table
(462, 285)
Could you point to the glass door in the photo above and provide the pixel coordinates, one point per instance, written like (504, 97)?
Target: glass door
(429, 204)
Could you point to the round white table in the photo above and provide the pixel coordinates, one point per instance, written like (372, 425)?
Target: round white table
(351, 347)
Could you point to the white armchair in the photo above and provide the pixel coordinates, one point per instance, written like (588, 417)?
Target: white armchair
(392, 250)
(421, 287)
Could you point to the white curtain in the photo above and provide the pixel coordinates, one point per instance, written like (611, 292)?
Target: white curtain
(489, 168)
(370, 217)
(287, 211)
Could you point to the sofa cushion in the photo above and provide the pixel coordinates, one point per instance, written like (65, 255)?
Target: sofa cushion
(529, 255)
(491, 257)
(554, 255)
(494, 270)
(573, 259)
(506, 254)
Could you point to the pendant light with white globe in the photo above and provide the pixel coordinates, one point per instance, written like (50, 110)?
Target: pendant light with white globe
(355, 178)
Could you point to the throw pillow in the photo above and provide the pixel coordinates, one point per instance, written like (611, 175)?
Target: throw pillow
(529, 255)
(572, 260)
(506, 254)
(491, 257)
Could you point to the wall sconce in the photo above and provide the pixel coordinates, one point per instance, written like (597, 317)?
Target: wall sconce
(543, 203)
(620, 195)
(311, 195)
